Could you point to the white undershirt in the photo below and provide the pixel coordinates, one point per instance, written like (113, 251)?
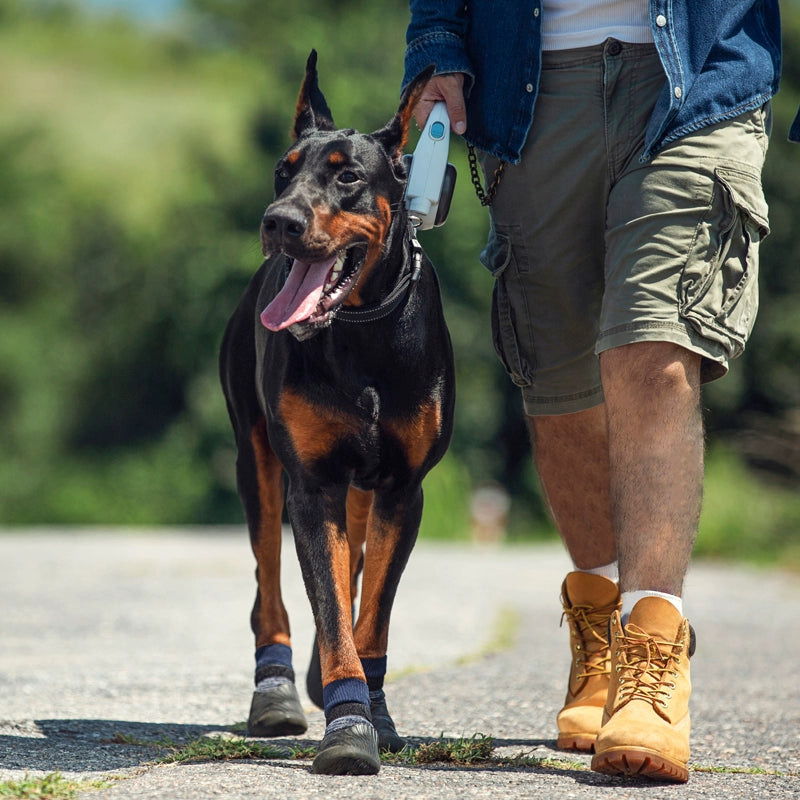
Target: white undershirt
(580, 23)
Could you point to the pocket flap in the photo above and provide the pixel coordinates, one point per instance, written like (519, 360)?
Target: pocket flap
(746, 192)
(496, 255)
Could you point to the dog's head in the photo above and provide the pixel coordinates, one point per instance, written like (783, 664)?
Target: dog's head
(336, 192)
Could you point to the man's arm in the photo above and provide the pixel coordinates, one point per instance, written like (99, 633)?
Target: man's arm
(435, 35)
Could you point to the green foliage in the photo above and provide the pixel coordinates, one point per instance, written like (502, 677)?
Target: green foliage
(744, 518)
(134, 168)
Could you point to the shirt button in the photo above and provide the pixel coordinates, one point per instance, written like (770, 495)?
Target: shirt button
(678, 92)
(535, 12)
(661, 20)
(528, 87)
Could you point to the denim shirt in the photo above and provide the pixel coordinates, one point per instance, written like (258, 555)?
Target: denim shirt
(721, 58)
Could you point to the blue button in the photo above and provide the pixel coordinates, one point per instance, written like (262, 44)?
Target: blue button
(437, 130)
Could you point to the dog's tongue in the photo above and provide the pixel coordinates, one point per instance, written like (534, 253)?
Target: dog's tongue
(299, 296)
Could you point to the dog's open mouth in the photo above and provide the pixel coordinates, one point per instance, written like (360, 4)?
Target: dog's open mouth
(313, 291)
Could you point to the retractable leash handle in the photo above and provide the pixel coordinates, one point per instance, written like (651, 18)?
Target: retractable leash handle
(431, 178)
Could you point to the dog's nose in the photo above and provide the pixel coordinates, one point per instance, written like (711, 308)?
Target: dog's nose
(284, 222)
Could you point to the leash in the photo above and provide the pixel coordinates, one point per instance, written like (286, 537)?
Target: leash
(485, 196)
(407, 281)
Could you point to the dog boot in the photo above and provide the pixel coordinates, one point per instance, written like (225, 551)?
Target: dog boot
(646, 721)
(589, 601)
(388, 738)
(276, 711)
(349, 747)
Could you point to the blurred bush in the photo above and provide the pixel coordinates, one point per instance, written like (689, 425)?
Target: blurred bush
(135, 165)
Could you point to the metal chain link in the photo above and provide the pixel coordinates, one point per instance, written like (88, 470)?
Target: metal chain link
(486, 196)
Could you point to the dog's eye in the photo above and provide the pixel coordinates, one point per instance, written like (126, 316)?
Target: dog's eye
(348, 177)
(282, 174)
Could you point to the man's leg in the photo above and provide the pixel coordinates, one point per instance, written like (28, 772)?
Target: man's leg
(571, 452)
(655, 428)
(652, 394)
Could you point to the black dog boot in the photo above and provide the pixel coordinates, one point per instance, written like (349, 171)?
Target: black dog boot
(276, 712)
(388, 738)
(349, 747)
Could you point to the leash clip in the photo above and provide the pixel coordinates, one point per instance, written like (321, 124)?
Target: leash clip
(416, 249)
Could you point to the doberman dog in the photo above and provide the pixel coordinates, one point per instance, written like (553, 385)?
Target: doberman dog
(337, 369)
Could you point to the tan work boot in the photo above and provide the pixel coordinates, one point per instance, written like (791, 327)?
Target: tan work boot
(588, 602)
(646, 722)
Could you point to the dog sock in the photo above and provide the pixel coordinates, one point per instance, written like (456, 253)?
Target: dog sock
(346, 703)
(273, 666)
(630, 599)
(375, 672)
(610, 571)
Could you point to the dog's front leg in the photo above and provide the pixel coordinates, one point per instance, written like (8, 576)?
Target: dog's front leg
(350, 744)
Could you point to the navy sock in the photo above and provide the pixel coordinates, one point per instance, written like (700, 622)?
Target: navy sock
(375, 672)
(273, 666)
(348, 697)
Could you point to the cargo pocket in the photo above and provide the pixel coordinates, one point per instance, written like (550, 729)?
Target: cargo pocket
(498, 258)
(719, 285)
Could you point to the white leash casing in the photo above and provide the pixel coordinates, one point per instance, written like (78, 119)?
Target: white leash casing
(431, 178)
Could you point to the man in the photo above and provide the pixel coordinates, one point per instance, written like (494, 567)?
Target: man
(624, 141)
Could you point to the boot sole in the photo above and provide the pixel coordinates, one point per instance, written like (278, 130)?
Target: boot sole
(640, 762)
(584, 742)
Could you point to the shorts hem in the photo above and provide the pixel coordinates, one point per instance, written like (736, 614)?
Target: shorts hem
(536, 406)
(715, 358)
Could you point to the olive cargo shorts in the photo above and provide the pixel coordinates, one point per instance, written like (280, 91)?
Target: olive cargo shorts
(592, 249)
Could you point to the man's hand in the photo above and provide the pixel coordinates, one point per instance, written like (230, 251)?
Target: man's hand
(450, 88)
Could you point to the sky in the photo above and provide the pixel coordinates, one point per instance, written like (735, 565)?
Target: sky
(152, 10)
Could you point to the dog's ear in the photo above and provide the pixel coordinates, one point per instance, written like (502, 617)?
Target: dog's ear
(395, 135)
(312, 109)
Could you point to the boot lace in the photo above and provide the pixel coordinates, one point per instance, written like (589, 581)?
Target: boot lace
(646, 667)
(589, 626)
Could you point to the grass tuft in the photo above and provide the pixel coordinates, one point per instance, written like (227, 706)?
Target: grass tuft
(49, 787)
(476, 749)
(222, 748)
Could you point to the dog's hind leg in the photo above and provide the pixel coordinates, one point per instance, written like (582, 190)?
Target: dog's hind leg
(275, 708)
(392, 532)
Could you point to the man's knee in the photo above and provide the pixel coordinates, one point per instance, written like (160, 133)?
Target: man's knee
(652, 366)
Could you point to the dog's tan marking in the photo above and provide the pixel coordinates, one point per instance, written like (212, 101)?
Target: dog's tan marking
(372, 230)
(339, 659)
(417, 435)
(314, 430)
(358, 507)
(270, 620)
(371, 635)
(337, 158)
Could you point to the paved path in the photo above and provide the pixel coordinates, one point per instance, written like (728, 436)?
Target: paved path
(108, 636)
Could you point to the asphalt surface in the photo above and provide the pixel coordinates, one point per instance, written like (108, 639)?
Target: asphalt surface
(111, 641)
